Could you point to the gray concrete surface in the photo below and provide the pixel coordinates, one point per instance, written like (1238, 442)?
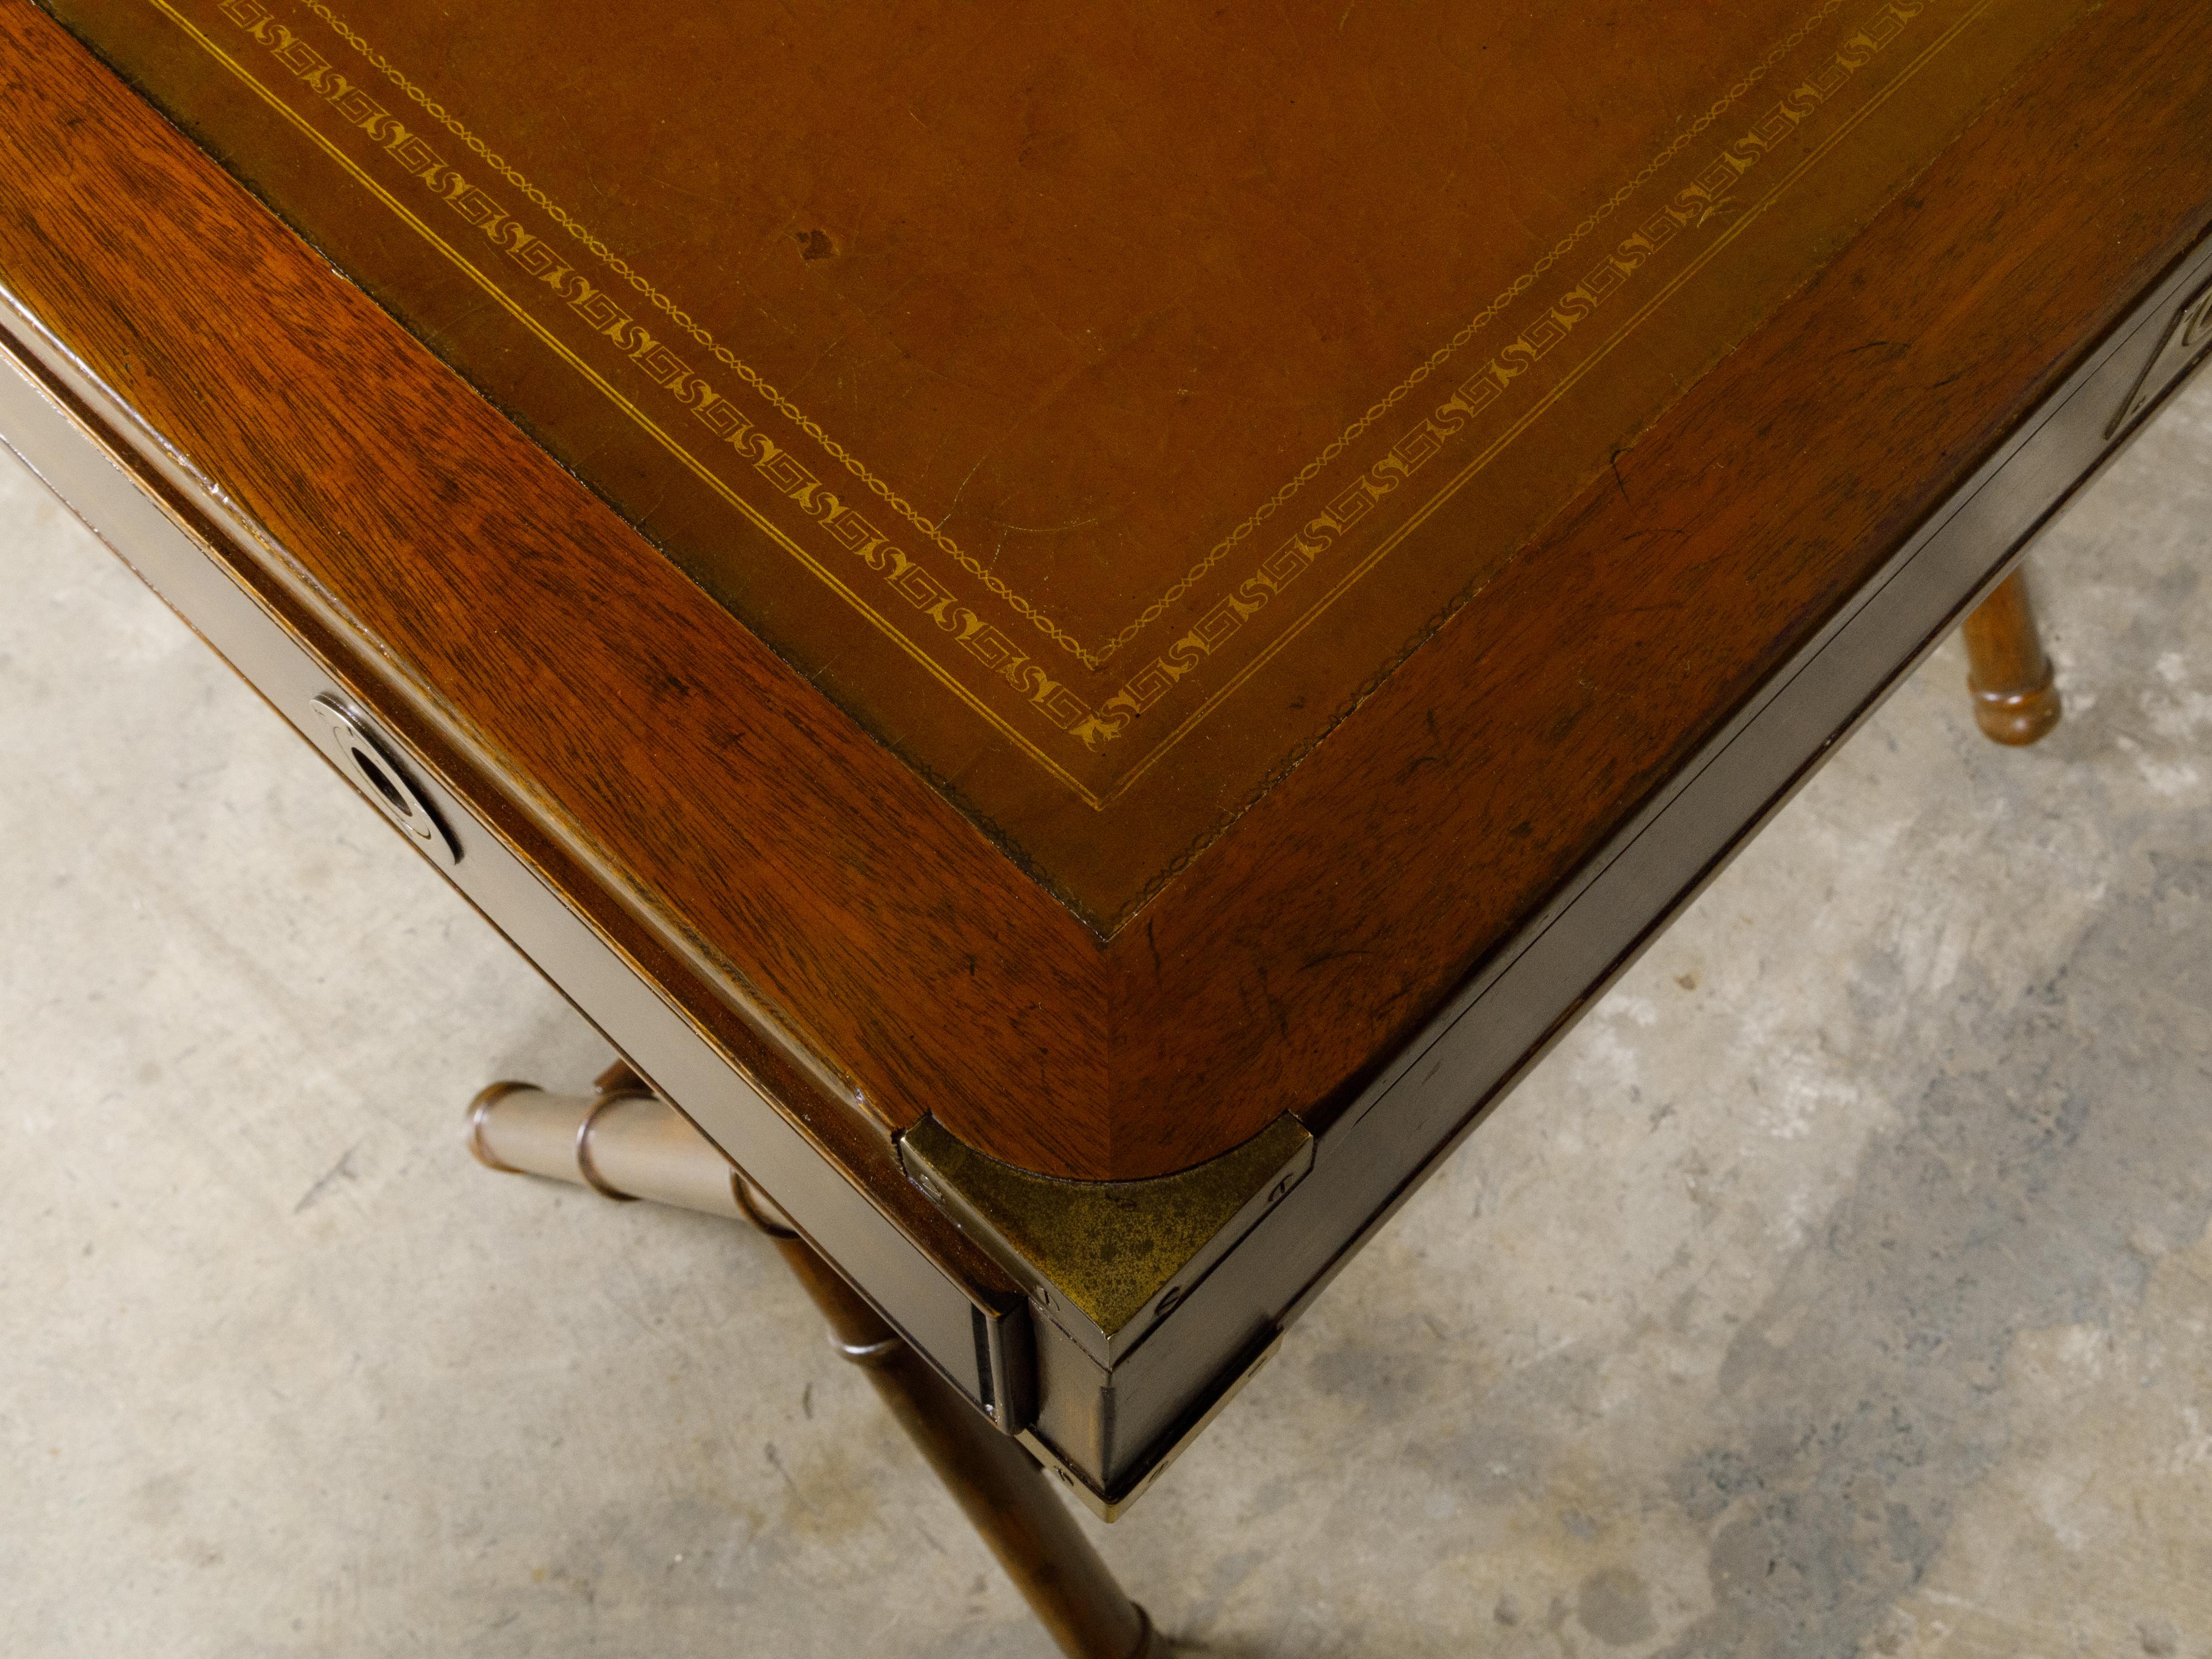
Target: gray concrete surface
(1841, 1287)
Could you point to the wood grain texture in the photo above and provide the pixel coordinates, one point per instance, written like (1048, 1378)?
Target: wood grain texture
(1343, 907)
(836, 1132)
(1061, 382)
(729, 801)
(677, 764)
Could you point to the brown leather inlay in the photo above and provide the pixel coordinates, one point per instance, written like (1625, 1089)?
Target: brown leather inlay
(1095, 402)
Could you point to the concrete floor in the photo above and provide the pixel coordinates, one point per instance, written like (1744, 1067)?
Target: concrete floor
(1841, 1287)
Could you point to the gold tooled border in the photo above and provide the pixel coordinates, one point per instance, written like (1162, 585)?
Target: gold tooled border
(884, 624)
(1743, 222)
(705, 474)
(1093, 658)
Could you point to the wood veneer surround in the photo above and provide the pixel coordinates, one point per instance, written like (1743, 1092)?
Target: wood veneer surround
(740, 811)
(989, 415)
(1340, 911)
(767, 839)
(835, 1133)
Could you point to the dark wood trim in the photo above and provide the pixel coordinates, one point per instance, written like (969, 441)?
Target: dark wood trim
(273, 643)
(783, 859)
(729, 804)
(1338, 913)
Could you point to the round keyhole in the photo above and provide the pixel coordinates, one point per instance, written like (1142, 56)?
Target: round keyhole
(357, 748)
(380, 782)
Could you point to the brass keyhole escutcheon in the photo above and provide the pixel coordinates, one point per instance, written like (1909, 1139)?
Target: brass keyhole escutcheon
(368, 761)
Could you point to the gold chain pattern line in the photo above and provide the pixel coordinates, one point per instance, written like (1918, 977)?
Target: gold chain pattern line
(1050, 697)
(1482, 319)
(1898, 11)
(934, 529)
(683, 319)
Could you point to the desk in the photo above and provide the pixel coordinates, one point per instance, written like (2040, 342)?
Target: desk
(979, 1304)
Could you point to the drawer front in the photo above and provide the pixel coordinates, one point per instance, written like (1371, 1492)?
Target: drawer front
(65, 430)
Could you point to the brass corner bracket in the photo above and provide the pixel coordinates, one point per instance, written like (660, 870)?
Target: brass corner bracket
(1105, 1261)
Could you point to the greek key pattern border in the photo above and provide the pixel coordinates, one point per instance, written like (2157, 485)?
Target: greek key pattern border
(998, 655)
(1091, 657)
(1050, 697)
(704, 337)
(1453, 424)
(1481, 320)
(1697, 207)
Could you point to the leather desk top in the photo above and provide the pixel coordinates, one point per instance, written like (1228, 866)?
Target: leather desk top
(1097, 402)
(1249, 469)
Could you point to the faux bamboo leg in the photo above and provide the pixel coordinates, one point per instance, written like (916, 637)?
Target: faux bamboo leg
(2014, 700)
(624, 1143)
(1004, 1494)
